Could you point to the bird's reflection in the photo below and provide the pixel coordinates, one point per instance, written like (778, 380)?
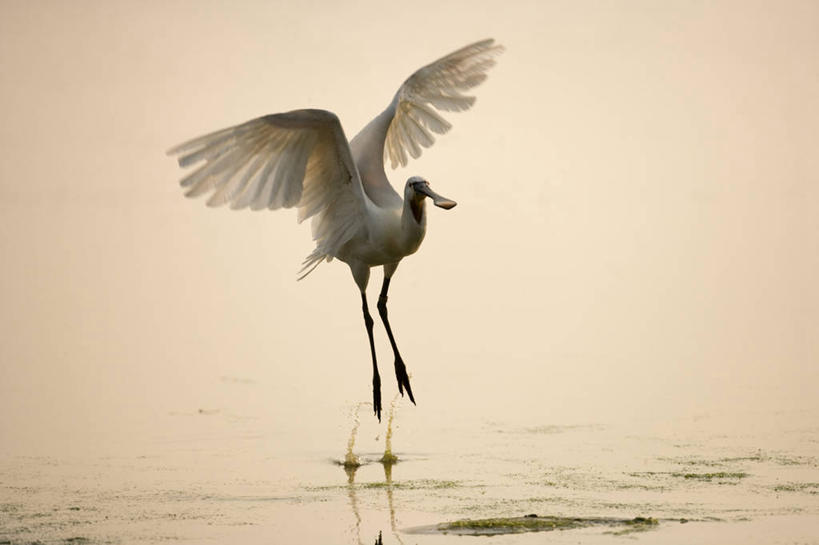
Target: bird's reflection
(350, 471)
(387, 464)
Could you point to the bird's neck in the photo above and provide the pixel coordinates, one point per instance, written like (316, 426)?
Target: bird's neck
(414, 218)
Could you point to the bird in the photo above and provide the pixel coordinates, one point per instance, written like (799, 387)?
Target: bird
(302, 159)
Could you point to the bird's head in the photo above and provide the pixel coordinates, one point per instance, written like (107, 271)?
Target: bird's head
(417, 189)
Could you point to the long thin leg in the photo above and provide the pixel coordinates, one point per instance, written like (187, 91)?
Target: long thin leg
(361, 275)
(368, 321)
(400, 368)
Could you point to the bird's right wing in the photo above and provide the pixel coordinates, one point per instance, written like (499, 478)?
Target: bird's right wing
(295, 159)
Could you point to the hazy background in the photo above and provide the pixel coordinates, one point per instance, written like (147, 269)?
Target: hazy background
(637, 230)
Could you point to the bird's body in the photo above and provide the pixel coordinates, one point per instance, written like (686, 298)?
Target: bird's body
(392, 236)
(302, 159)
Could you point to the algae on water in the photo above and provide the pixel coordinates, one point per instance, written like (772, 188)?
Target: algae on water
(810, 488)
(534, 523)
(719, 475)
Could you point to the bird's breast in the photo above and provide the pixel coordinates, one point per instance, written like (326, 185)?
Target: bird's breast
(388, 239)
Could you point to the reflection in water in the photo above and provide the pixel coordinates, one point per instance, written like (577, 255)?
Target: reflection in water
(350, 471)
(389, 489)
(351, 494)
(351, 465)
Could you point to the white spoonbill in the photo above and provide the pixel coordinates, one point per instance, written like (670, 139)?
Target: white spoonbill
(302, 159)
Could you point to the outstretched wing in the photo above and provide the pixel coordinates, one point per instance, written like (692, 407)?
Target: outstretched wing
(295, 159)
(412, 117)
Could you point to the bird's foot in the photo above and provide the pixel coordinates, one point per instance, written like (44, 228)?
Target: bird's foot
(403, 378)
(377, 396)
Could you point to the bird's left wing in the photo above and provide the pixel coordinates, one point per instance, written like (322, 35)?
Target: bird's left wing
(294, 159)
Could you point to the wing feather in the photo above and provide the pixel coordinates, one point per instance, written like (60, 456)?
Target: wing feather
(438, 85)
(296, 159)
(253, 181)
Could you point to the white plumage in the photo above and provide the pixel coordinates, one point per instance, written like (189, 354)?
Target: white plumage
(302, 159)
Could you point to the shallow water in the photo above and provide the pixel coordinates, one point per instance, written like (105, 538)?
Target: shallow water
(619, 320)
(211, 476)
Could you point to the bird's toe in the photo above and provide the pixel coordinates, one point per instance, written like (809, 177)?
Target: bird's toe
(403, 379)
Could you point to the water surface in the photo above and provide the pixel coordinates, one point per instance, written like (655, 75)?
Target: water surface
(210, 475)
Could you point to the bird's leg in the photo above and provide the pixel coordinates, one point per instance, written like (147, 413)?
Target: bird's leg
(368, 321)
(400, 368)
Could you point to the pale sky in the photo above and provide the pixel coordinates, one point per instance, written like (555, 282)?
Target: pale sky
(637, 222)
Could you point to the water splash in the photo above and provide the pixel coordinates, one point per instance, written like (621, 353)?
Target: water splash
(351, 461)
(389, 458)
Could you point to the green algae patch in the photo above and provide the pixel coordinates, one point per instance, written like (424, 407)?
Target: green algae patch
(810, 488)
(534, 523)
(638, 524)
(758, 457)
(422, 484)
(512, 525)
(716, 476)
(720, 477)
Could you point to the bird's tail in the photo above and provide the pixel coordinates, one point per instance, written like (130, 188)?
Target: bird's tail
(312, 261)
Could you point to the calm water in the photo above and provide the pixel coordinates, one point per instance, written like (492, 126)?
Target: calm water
(213, 475)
